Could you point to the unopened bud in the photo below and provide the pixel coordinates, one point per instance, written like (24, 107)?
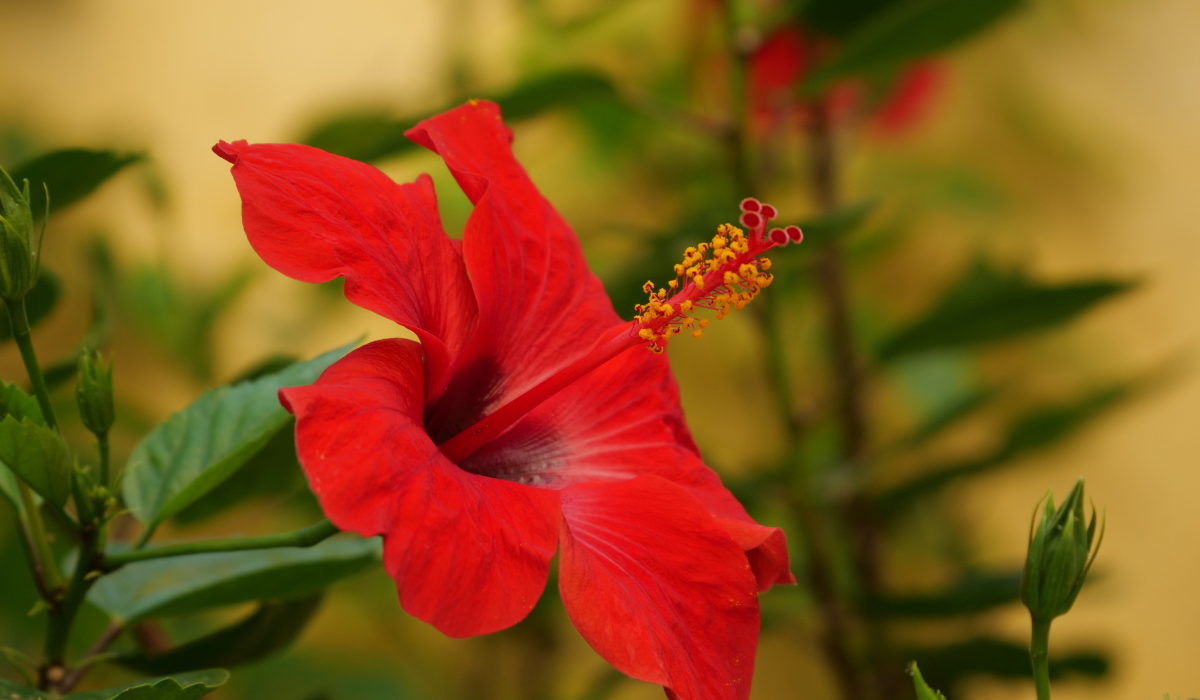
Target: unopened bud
(19, 249)
(1061, 552)
(94, 392)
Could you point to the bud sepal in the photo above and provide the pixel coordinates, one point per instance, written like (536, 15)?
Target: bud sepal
(20, 254)
(1061, 552)
(94, 393)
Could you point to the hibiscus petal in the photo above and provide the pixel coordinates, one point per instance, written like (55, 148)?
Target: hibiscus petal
(470, 554)
(621, 421)
(315, 216)
(540, 307)
(658, 589)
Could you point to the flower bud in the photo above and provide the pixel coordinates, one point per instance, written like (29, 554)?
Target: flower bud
(1060, 555)
(94, 392)
(18, 248)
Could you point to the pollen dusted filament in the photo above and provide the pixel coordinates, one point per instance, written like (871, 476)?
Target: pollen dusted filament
(722, 276)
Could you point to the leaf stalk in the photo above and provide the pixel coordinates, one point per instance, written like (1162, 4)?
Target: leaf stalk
(304, 537)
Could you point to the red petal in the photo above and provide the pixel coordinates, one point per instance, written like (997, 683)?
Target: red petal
(470, 554)
(621, 421)
(315, 216)
(658, 589)
(540, 307)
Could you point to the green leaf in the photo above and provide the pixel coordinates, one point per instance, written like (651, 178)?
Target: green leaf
(71, 174)
(268, 365)
(180, 319)
(204, 444)
(271, 628)
(10, 490)
(950, 414)
(946, 666)
(39, 302)
(839, 17)
(905, 31)
(16, 691)
(838, 223)
(924, 692)
(546, 92)
(185, 686)
(973, 594)
(15, 403)
(366, 137)
(38, 456)
(274, 472)
(1040, 429)
(373, 136)
(177, 585)
(18, 404)
(988, 306)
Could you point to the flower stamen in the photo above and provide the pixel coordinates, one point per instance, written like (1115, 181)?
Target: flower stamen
(722, 275)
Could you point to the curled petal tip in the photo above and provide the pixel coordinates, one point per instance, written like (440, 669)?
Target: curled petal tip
(225, 150)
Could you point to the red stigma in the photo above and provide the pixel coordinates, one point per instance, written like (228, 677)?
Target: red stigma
(751, 220)
(768, 212)
(750, 204)
(779, 236)
(794, 234)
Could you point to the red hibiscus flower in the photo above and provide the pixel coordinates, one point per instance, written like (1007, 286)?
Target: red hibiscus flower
(527, 420)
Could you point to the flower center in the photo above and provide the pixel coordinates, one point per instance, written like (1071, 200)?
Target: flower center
(723, 275)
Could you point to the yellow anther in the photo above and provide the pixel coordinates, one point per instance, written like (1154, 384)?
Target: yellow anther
(697, 333)
(733, 280)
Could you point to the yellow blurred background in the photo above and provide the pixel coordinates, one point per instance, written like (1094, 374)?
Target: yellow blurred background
(1106, 97)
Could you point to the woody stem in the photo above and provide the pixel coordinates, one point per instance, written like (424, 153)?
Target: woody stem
(860, 518)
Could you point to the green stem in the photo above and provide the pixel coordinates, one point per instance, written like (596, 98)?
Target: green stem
(59, 630)
(306, 537)
(45, 567)
(1039, 654)
(20, 331)
(102, 448)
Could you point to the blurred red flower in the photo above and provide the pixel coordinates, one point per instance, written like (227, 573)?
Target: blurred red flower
(660, 566)
(776, 68)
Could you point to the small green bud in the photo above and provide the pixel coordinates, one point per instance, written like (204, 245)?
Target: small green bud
(19, 248)
(1060, 555)
(94, 393)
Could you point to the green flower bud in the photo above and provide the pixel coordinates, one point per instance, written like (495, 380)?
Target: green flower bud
(1060, 555)
(94, 393)
(19, 250)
